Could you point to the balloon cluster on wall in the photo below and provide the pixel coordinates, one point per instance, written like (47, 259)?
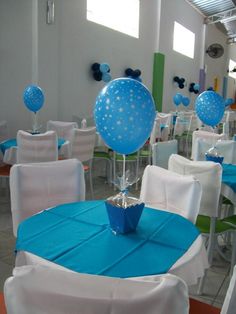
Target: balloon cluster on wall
(210, 108)
(179, 98)
(101, 72)
(210, 88)
(194, 88)
(179, 81)
(134, 74)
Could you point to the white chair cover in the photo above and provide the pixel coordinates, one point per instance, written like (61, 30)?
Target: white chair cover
(36, 148)
(229, 305)
(209, 175)
(38, 186)
(186, 121)
(40, 290)
(89, 121)
(63, 129)
(226, 148)
(83, 143)
(210, 137)
(161, 129)
(166, 190)
(161, 152)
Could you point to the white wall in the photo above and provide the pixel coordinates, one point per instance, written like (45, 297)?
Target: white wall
(215, 68)
(231, 90)
(65, 52)
(81, 43)
(177, 64)
(182, 66)
(58, 57)
(15, 61)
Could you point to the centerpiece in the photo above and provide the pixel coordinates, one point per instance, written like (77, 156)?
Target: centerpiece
(124, 116)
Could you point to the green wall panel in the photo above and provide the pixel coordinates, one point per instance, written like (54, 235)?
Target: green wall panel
(158, 79)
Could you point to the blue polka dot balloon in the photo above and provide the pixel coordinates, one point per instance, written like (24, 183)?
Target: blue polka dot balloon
(33, 98)
(124, 115)
(210, 107)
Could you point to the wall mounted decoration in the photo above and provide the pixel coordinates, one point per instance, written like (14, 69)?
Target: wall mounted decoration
(194, 88)
(179, 81)
(101, 72)
(134, 74)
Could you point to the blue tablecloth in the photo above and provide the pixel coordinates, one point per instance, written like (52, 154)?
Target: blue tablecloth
(78, 236)
(12, 142)
(229, 175)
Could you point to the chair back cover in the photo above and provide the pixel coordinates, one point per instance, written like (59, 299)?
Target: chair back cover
(83, 143)
(36, 148)
(225, 148)
(166, 190)
(210, 137)
(209, 175)
(229, 304)
(62, 128)
(161, 152)
(37, 289)
(37, 186)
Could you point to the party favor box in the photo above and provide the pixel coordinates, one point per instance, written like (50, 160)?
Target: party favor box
(124, 212)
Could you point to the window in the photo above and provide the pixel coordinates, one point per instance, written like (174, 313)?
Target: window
(184, 40)
(232, 68)
(120, 15)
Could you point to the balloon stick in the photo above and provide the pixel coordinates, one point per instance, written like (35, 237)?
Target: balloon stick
(123, 181)
(35, 122)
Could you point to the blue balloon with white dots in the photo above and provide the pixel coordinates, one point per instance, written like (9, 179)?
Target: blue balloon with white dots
(124, 115)
(210, 107)
(33, 98)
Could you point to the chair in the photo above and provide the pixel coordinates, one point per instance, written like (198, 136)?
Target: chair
(186, 123)
(229, 304)
(164, 123)
(161, 189)
(63, 129)
(89, 121)
(210, 137)
(37, 186)
(160, 132)
(36, 148)
(131, 159)
(209, 174)
(39, 289)
(161, 152)
(103, 153)
(82, 148)
(226, 148)
(146, 151)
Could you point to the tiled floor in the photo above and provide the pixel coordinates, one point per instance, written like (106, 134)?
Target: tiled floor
(217, 278)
